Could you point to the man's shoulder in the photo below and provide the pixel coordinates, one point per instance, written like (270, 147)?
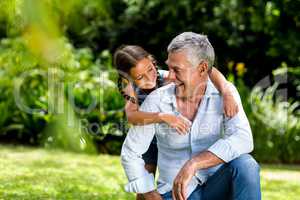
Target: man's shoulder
(162, 94)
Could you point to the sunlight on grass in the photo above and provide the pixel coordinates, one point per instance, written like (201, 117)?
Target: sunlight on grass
(27, 173)
(31, 173)
(281, 182)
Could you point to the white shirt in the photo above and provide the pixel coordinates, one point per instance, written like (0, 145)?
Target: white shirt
(211, 131)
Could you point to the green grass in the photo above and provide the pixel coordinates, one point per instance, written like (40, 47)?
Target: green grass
(30, 173)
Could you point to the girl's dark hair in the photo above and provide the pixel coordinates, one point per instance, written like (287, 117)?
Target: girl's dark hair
(126, 57)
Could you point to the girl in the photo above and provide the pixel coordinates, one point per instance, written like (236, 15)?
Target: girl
(138, 76)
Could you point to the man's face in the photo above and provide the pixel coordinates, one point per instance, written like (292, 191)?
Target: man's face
(181, 70)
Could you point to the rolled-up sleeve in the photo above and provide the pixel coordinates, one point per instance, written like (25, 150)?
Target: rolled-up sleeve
(237, 138)
(135, 145)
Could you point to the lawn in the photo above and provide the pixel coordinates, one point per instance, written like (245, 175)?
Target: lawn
(31, 173)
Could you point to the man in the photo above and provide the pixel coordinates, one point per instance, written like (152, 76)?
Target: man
(212, 160)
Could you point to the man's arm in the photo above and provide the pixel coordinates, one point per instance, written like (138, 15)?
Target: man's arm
(136, 143)
(237, 139)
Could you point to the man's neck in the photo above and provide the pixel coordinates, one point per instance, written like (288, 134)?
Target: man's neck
(188, 99)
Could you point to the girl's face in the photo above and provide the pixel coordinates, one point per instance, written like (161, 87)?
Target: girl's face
(144, 74)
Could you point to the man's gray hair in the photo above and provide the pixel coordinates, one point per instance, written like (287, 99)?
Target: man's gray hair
(197, 45)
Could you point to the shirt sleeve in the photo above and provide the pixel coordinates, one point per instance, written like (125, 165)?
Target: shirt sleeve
(135, 145)
(237, 138)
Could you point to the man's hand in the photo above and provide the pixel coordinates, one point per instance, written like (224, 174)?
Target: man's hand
(203, 160)
(182, 180)
(153, 195)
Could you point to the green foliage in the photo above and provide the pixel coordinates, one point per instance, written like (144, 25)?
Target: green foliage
(14, 61)
(64, 49)
(276, 127)
(58, 93)
(266, 30)
(274, 121)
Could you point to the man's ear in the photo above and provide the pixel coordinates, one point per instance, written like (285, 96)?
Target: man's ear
(203, 66)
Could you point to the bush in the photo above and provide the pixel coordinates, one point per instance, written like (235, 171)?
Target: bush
(81, 81)
(274, 120)
(14, 123)
(268, 30)
(276, 127)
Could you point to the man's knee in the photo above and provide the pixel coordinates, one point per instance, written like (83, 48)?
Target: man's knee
(245, 167)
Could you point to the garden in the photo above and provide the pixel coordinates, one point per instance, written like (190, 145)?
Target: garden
(62, 121)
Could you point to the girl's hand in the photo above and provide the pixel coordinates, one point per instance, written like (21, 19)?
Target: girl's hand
(179, 123)
(230, 105)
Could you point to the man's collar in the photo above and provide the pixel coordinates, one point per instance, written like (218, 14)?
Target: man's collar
(170, 97)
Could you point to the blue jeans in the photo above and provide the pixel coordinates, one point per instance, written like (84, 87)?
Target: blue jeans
(236, 180)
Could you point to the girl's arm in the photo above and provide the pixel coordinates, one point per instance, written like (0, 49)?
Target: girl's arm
(136, 117)
(220, 82)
